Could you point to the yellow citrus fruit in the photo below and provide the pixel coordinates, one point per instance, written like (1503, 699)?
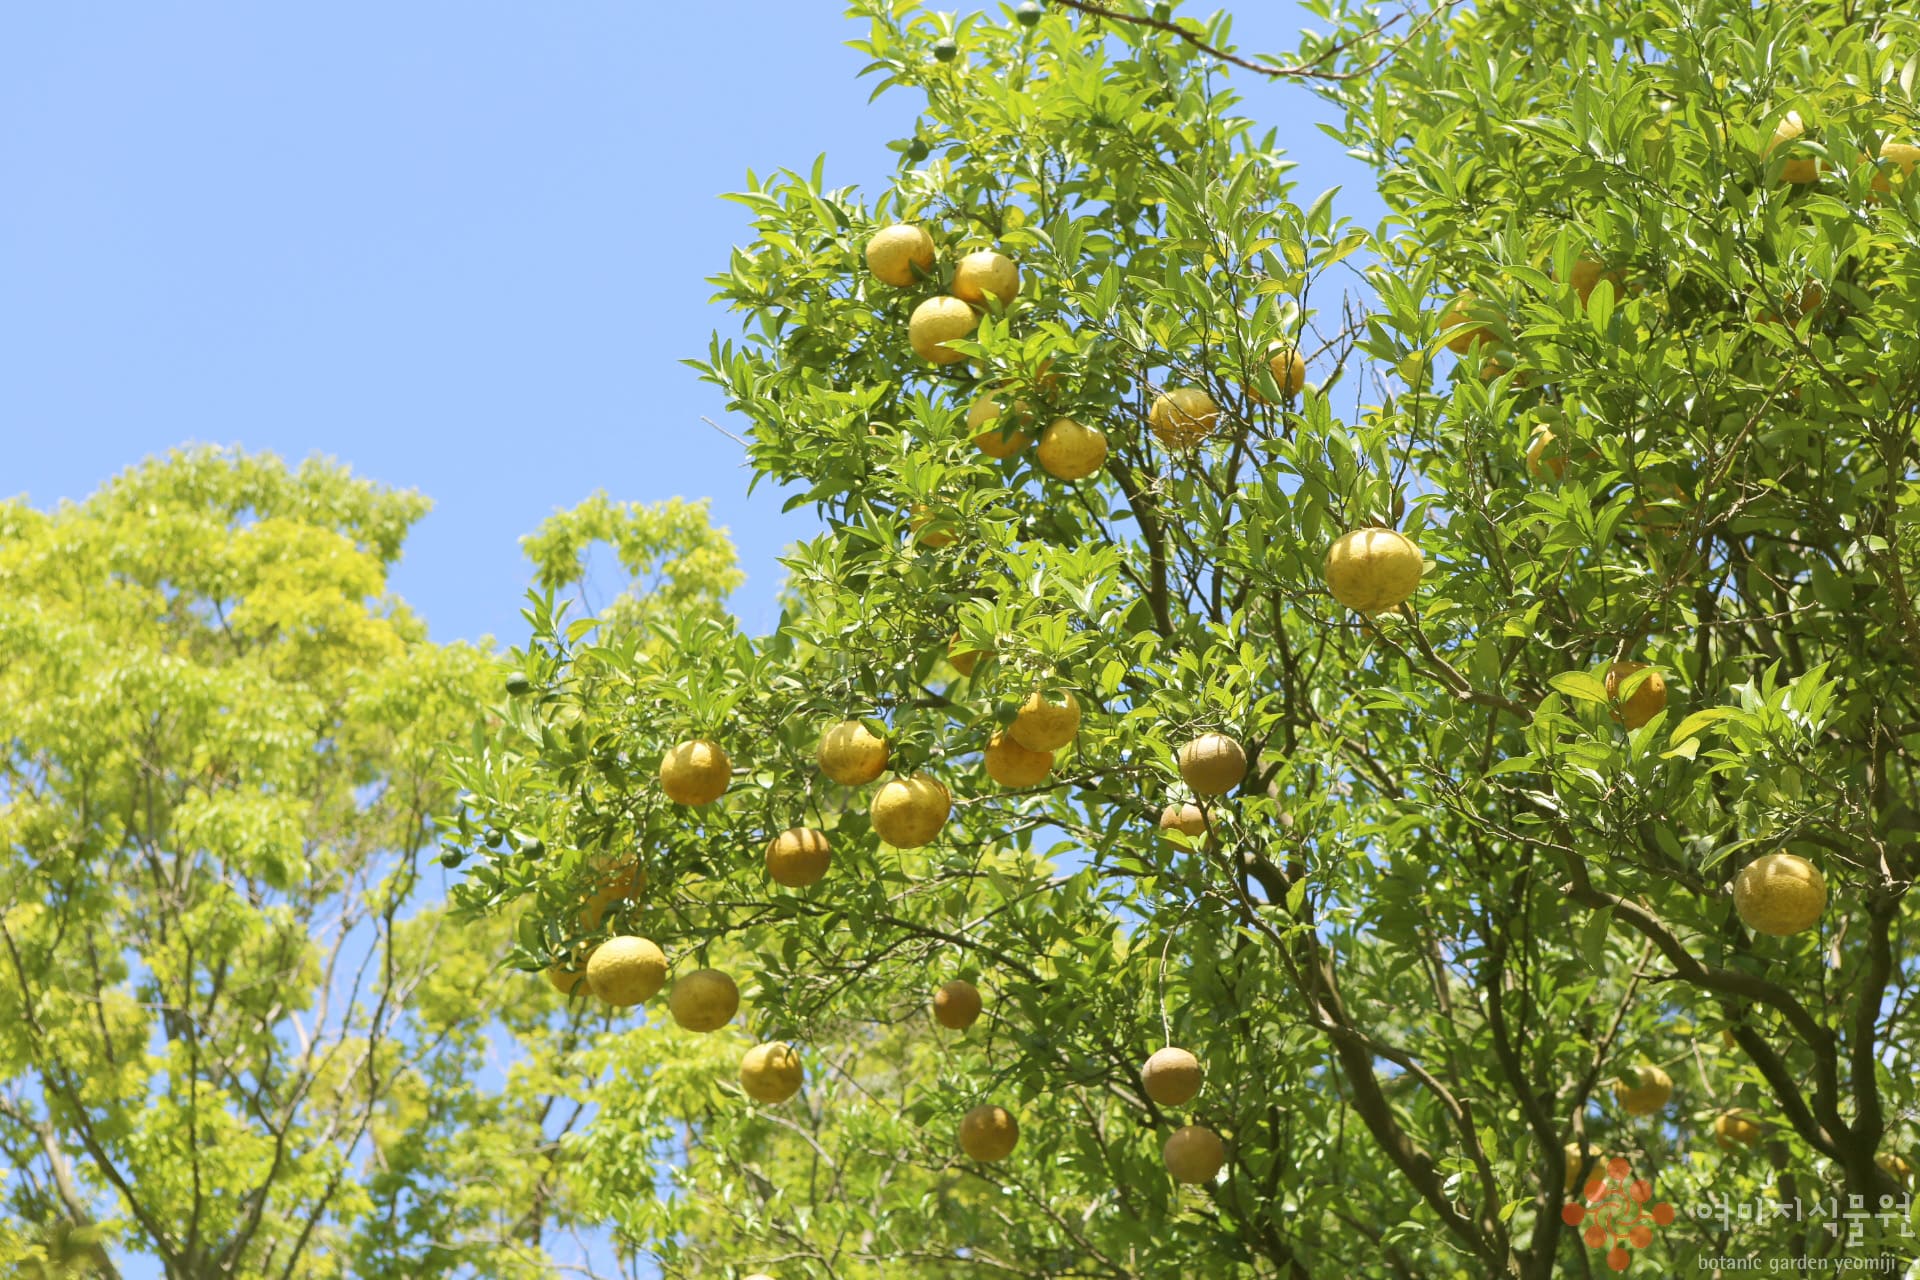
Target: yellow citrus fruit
(704, 1000)
(1194, 1154)
(1589, 272)
(798, 858)
(626, 971)
(611, 884)
(1183, 417)
(965, 660)
(1895, 156)
(1187, 819)
(1796, 171)
(989, 1133)
(1894, 1167)
(771, 1072)
(909, 812)
(1171, 1077)
(1577, 1172)
(1644, 703)
(1213, 764)
(1457, 321)
(900, 254)
(1779, 894)
(1732, 1127)
(1069, 451)
(850, 755)
(1043, 725)
(929, 530)
(1370, 570)
(1289, 371)
(1012, 765)
(1540, 462)
(695, 772)
(983, 274)
(936, 322)
(566, 976)
(956, 1005)
(995, 428)
(1643, 1091)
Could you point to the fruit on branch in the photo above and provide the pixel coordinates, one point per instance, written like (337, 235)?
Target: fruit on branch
(798, 857)
(1643, 1090)
(1731, 1128)
(1464, 332)
(626, 971)
(1371, 570)
(1897, 160)
(1779, 894)
(1194, 1154)
(935, 323)
(1044, 725)
(1797, 171)
(1171, 1077)
(909, 812)
(928, 529)
(1183, 417)
(771, 1072)
(1544, 458)
(1188, 819)
(1213, 764)
(956, 1005)
(704, 1000)
(1069, 451)
(1588, 273)
(989, 1134)
(1012, 765)
(900, 255)
(1289, 371)
(1645, 700)
(995, 428)
(965, 660)
(985, 274)
(1578, 1172)
(695, 772)
(850, 755)
(566, 975)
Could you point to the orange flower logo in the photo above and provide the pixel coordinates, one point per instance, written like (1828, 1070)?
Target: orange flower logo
(1616, 1214)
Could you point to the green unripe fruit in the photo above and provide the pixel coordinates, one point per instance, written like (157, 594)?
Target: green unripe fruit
(533, 847)
(452, 858)
(518, 685)
(1027, 14)
(917, 151)
(945, 49)
(493, 838)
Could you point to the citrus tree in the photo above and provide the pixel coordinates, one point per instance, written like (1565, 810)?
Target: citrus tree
(239, 1035)
(1301, 750)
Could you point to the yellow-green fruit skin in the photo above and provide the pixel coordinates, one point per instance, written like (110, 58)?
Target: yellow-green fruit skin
(1289, 370)
(704, 1000)
(1576, 1172)
(956, 1005)
(936, 322)
(909, 812)
(1069, 451)
(850, 755)
(1012, 765)
(564, 980)
(1045, 725)
(1194, 1154)
(1455, 321)
(771, 1073)
(1188, 819)
(1213, 764)
(1647, 700)
(695, 772)
(1779, 894)
(1643, 1091)
(900, 254)
(989, 1134)
(1183, 417)
(1372, 570)
(985, 274)
(1735, 1127)
(626, 971)
(1172, 1077)
(995, 429)
(798, 858)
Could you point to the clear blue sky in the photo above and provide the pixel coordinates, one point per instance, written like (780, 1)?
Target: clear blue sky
(460, 247)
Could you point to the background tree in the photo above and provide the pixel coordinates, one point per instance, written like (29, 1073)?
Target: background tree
(1473, 896)
(239, 1035)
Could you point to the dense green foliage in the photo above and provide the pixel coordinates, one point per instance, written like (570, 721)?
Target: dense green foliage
(1454, 898)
